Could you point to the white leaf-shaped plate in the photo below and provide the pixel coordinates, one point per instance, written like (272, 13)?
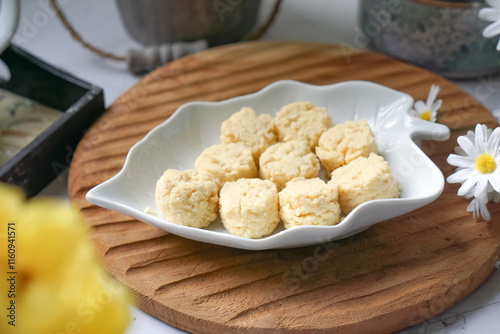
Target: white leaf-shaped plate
(177, 142)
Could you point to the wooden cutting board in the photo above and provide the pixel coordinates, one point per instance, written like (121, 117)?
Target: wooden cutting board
(393, 275)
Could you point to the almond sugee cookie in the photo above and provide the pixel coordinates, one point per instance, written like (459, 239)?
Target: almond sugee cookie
(302, 121)
(364, 179)
(343, 143)
(257, 132)
(249, 207)
(283, 162)
(228, 162)
(309, 202)
(187, 198)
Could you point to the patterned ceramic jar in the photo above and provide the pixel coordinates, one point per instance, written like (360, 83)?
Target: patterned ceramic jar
(442, 36)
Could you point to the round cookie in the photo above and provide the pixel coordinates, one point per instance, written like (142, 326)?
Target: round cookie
(309, 202)
(302, 121)
(248, 128)
(187, 197)
(283, 162)
(364, 179)
(249, 207)
(228, 162)
(343, 143)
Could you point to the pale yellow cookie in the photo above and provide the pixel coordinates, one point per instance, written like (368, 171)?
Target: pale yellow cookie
(309, 202)
(343, 143)
(248, 128)
(364, 179)
(283, 162)
(302, 121)
(249, 207)
(187, 197)
(228, 162)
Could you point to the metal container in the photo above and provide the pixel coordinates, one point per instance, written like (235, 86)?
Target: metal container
(442, 36)
(153, 22)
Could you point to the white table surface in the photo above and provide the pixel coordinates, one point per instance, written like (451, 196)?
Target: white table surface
(329, 21)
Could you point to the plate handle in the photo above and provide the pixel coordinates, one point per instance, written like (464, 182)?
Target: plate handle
(425, 130)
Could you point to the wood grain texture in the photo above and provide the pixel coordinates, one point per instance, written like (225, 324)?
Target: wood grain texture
(393, 275)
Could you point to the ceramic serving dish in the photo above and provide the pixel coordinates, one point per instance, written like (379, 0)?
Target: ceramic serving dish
(196, 125)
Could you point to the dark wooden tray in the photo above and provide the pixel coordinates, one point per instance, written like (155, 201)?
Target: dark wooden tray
(51, 152)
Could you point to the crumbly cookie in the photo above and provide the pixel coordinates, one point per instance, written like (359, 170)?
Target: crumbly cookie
(187, 197)
(283, 162)
(228, 162)
(302, 121)
(249, 207)
(309, 202)
(343, 143)
(248, 128)
(364, 179)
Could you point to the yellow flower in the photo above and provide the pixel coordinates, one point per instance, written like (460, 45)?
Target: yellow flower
(52, 281)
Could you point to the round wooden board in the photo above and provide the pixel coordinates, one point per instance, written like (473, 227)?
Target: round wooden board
(393, 275)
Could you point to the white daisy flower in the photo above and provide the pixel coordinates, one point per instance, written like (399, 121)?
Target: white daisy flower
(491, 14)
(478, 167)
(428, 110)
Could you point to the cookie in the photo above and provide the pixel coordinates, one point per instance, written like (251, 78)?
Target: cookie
(302, 121)
(249, 207)
(283, 162)
(227, 162)
(364, 179)
(343, 143)
(187, 198)
(309, 202)
(257, 132)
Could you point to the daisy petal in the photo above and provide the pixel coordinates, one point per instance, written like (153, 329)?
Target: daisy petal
(495, 196)
(473, 207)
(489, 14)
(420, 106)
(470, 194)
(492, 30)
(478, 209)
(494, 142)
(433, 92)
(437, 105)
(484, 212)
(498, 45)
(494, 180)
(468, 185)
(480, 192)
(480, 138)
(470, 134)
(460, 161)
(467, 145)
(460, 176)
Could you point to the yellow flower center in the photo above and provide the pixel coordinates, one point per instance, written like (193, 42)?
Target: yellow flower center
(426, 115)
(485, 164)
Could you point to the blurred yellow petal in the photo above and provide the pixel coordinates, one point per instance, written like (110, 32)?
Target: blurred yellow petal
(60, 285)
